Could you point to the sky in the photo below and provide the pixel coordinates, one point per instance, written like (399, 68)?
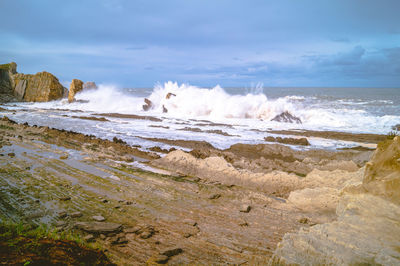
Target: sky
(235, 43)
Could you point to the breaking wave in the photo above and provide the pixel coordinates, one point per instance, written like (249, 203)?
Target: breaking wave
(186, 101)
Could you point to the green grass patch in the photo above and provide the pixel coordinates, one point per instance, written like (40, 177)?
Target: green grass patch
(5, 127)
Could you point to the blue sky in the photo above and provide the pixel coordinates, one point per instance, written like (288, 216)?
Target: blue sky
(236, 43)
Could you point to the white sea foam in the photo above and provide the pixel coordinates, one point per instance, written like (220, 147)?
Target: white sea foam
(252, 110)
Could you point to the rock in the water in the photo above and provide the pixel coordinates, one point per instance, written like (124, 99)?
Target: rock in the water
(148, 104)
(64, 157)
(99, 227)
(75, 87)
(41, 87)
(99, 218)
(89, 85)
(290, 141)
(287, 117)
(169, 95)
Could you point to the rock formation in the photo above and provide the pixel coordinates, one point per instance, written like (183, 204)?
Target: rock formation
(287, 117)
(148, 104)
(41, 87)
(291, 141)
(169, 94)
(89, 85)
(75, 87)
(367, 228)
(6, 72)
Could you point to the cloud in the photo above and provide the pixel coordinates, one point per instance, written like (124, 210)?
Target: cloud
(233, 43)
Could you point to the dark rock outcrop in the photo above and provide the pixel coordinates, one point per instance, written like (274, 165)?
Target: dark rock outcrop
(148, 104)
(6, 81)
(287, 117)
(169, 95)
(290, 141)
(75, 87)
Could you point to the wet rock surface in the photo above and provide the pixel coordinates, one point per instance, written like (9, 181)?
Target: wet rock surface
(153, 206)
(291, 141)
(367, 228)
(158, 212)
(75, 87)
(286, 117)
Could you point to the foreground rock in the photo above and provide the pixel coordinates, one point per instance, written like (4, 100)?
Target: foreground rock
(75, 87)
(367, 229)
(99, 227)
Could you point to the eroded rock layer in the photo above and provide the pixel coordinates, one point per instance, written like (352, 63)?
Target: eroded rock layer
(367, 229)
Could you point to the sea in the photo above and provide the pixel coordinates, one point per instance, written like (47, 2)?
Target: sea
(219, 116)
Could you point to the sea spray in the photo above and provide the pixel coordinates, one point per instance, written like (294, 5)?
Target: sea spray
(190, 101)
(249, 111)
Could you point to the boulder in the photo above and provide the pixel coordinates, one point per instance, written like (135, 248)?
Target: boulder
(89, 85)
(75, 87)
(287, 117)
(41, 87)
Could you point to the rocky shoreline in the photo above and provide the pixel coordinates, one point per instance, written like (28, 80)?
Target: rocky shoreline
(249, 204)
(117, 196)
(39, 87)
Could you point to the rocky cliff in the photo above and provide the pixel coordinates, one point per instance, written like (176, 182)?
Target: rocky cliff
(40, 87)
(6, 81)
(367, 228)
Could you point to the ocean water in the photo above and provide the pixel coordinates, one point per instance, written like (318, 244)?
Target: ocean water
(243, 114)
